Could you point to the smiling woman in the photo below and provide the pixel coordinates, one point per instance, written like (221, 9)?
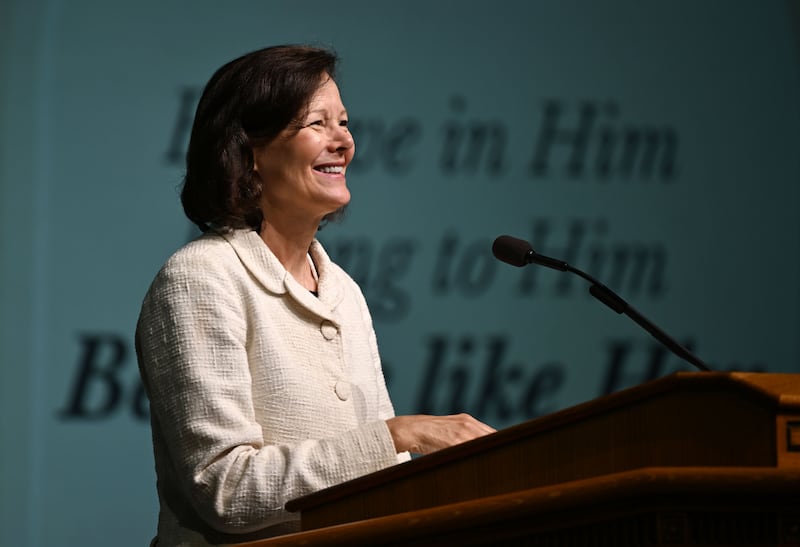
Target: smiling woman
(257, 352)
(302, 174)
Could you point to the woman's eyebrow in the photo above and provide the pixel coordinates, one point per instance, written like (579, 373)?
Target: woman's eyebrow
(343, 112)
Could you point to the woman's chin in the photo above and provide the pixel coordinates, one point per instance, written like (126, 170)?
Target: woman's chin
(335, 216)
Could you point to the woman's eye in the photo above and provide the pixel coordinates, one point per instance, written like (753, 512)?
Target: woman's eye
(343, 123)
(316, 122)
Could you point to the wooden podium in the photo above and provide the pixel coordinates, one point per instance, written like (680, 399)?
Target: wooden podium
(691, 459)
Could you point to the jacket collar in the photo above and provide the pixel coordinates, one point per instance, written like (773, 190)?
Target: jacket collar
(265, 267)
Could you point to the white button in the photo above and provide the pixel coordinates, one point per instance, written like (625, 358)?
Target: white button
(328, 330)
(342, 390)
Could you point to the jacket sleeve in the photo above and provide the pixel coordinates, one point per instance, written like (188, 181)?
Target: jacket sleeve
(385, 407)
(191, 346)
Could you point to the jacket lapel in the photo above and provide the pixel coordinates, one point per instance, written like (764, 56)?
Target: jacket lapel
(264, 266)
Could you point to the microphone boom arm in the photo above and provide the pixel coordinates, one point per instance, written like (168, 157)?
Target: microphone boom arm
(518, 252)
(616, 303)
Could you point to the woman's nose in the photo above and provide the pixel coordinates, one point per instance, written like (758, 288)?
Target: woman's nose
(341, 139)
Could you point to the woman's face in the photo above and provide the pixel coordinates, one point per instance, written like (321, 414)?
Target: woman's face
(303, 172)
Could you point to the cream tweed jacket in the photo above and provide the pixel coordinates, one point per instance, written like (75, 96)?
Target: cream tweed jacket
(259, 391)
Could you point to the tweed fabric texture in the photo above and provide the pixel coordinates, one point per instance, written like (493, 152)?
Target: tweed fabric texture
(260, 392)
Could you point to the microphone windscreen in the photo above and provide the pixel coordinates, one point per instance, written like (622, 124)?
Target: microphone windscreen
(512, 250)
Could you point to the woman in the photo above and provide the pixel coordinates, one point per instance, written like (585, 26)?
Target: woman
(257, 352)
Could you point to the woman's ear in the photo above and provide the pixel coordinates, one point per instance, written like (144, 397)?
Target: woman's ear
(254, 159)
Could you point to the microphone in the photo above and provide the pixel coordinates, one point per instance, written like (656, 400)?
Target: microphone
(518, 252)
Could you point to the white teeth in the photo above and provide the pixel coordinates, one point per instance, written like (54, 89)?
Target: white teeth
(331, 169)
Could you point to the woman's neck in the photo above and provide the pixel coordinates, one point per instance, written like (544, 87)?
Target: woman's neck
(291, 249)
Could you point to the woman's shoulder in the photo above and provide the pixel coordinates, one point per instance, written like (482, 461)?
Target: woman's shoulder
(199, 261)
(200, 279)
(206, 252)
(208, 247)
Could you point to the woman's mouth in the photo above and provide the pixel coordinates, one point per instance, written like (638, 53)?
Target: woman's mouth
(330, 169)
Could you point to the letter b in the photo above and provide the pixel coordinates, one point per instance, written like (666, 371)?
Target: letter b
(101, 359)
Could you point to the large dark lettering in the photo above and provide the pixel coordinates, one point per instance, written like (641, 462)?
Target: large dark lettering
(470, 270)
(97, 389)
(104, 383)
(470, 145)
(551, 135)
(492, 397)
(586, 140)
(630, 362)
(598, 145)
(493, 389)
(385, 144)
(627, 266)
(378, 269)
(618, 368)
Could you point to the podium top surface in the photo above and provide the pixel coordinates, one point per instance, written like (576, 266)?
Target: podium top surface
(782, 388)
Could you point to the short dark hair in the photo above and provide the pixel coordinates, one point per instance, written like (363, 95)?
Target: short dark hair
(247, 102)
